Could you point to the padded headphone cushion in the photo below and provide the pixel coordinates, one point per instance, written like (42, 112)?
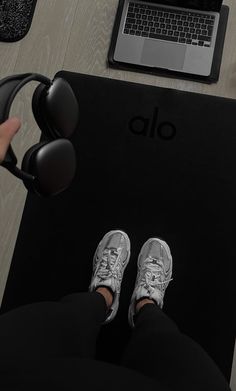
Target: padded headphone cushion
(39, 113)
(27, 164)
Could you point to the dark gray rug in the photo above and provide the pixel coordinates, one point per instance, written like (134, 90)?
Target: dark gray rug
(15, 19)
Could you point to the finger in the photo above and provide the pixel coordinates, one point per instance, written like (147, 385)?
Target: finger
(8, 129)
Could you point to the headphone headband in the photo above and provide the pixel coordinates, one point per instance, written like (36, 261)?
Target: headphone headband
(9, 87)
(57, 122)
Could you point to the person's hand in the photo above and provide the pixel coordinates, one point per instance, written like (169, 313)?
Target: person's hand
(8, 129)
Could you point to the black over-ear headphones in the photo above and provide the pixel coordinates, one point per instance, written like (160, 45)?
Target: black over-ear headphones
(48, 167)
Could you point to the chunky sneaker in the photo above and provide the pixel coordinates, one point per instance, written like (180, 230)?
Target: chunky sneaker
(153, 276)
(109, 262)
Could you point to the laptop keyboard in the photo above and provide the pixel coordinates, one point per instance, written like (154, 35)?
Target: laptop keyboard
(153, 21)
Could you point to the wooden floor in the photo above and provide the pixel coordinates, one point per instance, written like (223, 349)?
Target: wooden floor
(74, 35)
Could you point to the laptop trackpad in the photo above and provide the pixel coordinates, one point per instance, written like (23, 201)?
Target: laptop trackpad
(163, 54)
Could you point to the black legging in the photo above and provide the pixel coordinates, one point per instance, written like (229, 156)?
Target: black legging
(157, 348)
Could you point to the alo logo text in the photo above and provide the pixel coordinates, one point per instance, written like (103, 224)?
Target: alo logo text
(142, 126)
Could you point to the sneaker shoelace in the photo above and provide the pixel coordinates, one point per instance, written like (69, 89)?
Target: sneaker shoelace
(110, 265)
(152, 275)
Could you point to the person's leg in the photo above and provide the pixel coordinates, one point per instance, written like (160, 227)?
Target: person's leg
(69, 327)
(158, 349)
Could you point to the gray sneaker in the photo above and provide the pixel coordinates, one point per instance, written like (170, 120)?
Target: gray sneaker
(110, 260)
(153, 275)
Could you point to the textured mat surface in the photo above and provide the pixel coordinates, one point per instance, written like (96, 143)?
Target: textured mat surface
(154, 162)
(15, 19)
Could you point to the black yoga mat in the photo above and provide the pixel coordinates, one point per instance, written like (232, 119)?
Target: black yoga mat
(153, 162)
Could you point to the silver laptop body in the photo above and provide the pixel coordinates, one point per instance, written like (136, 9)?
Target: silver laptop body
(142, 49)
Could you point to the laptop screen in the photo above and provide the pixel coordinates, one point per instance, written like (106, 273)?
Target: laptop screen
(203, 5)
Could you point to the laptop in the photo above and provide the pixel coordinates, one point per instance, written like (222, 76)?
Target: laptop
(177, 35)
